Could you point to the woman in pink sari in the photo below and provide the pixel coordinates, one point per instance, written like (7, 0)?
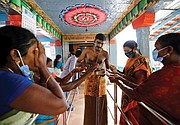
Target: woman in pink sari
(161, 90)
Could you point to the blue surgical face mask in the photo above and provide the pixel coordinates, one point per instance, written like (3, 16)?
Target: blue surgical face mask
(25, 68)
(50, 69)
(155, 54)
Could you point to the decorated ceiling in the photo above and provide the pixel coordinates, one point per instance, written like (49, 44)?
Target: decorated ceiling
(93, 16)
(84, 15)
(77, 17)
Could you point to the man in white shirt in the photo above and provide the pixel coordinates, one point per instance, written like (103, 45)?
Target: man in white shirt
(70, 65)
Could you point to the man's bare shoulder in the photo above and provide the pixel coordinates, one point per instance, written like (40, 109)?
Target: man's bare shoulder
(105, 52)
(87, 50)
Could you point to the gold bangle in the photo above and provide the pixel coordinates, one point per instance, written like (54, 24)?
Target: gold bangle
(47, 80)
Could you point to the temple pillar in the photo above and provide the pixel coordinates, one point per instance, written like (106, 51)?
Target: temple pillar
(142, 25)
(113, 52)
(15, 20)
(58, 47)
(142, 35)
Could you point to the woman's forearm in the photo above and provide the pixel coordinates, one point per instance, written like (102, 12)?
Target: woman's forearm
(123, 84)
(51, 83)
(77, 82)
(129, 81)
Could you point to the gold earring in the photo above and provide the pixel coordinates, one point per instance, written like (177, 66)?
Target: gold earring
(18, 62)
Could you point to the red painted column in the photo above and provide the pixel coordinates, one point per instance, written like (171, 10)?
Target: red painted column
(15, 20)
(145, 20)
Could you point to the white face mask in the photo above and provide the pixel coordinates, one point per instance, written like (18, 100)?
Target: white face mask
(25, 68)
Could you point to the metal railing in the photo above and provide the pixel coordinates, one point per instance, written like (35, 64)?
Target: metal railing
(117, 107)
(163, 119)
(66, 115)
(33, 119)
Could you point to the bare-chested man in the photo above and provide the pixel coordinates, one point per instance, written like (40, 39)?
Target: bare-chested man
(95, 85)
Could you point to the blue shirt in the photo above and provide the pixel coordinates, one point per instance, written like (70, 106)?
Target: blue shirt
(11, 86)
(60, 64)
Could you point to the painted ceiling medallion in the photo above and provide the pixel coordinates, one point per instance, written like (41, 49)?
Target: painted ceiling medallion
(83, 15)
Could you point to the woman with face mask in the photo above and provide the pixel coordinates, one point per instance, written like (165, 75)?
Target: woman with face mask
(20, 96)
(137, 69)
(26, 85)
(161, 90)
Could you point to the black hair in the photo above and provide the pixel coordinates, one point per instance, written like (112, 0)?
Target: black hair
(171, 39)
(48, 60)
(71, 51)
(56, 60)
(131, 44)
(78, 53)
(15, 38)
(100, 36)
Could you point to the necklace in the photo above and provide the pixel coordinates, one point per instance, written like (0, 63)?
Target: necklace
(7, 68)
(10, 69)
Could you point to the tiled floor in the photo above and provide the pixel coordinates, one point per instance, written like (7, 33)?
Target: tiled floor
(76, 116)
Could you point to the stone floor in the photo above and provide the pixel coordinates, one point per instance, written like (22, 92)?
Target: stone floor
(76, 116)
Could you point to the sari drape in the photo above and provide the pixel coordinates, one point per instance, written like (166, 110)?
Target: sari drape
(15, 117)
(130, 107)
(161, 92)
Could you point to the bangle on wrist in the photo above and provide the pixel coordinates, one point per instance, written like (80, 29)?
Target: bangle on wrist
(47, 80)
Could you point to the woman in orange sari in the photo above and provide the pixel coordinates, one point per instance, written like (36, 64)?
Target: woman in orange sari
(161, 90)
(137, 69)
